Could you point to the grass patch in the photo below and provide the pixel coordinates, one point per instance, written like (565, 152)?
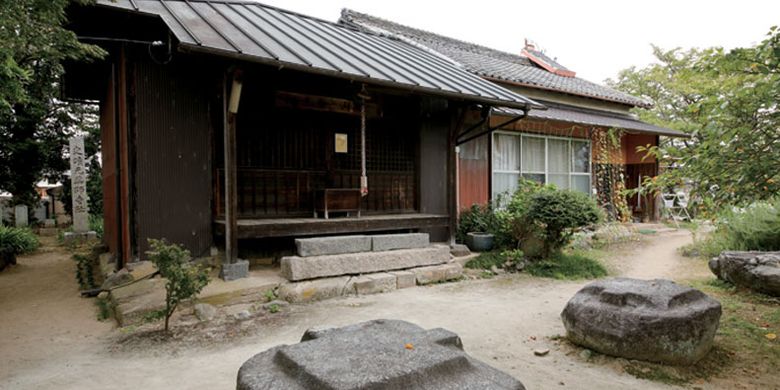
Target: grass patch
(567, 266)
(486, 260)
(647, 231)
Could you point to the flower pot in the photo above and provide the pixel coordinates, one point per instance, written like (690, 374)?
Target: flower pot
(479, 242)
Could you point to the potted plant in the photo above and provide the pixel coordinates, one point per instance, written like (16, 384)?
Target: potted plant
(474, 228)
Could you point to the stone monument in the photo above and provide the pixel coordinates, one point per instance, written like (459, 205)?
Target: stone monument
(379, 354)
(20, 216)
(78, 187)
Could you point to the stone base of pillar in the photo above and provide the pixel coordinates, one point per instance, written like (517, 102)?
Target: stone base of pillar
(233, 271)
(79, 238)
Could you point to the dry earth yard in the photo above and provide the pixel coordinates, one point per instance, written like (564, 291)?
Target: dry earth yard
(50, 339)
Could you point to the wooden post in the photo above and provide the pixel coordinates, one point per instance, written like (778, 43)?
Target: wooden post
(231, 177)
(452, 171)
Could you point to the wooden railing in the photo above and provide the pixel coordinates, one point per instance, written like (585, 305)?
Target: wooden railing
(275, 193)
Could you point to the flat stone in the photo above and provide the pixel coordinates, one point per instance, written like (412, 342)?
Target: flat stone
(389, 242)
(301, 268)
(336, 245)
(21, 216)
(759, 271)
(375, 283)
(78, 238)
(541, 351)
(234, 271)
(141, 269)
(404, 279)
(437, 273)
(654, 320)
(133, 302)
(315, 290)
(204, 311)
(117, 278)
(459, 250)
(379, 354)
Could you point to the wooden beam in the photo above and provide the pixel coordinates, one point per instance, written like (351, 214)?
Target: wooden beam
(230, 109)
(297, 227)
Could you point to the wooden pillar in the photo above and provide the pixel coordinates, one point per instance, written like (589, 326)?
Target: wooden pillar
(231, 179)
(452, 170)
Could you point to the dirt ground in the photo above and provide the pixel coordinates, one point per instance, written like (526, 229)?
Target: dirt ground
(50, 338)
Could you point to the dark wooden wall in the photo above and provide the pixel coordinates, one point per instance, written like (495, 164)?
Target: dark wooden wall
(173, 155)
(435, 127)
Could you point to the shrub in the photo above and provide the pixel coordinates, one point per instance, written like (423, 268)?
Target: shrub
(17, 241)
(516, 229)
(567, 266)
(96, 224)
(185, 280)
(559, 213)
(754, 228)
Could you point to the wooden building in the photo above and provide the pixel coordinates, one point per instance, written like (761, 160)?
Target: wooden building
(586, 140)
(230, 120)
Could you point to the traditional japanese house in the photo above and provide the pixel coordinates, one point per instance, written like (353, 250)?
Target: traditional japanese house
(231, 120)
(586, 140)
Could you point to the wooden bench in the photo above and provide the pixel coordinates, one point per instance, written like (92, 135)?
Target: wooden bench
(337, 199)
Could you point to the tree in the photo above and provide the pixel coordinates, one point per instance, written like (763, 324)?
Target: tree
(34, 125)
(184, 280)
(728, 103)
(559, 213)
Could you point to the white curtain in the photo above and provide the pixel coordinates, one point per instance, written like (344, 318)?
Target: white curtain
(558, 158)
(533, 154)
(506, 153)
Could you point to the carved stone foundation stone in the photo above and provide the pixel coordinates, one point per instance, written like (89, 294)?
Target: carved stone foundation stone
(379, 354)
(654, 320)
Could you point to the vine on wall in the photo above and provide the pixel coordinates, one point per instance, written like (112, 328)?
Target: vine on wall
(609, 173)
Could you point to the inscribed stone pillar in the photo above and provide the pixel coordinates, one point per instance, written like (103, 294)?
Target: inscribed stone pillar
(78, 185)
(20, 216)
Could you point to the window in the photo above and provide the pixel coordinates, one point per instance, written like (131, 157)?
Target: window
(564, 162)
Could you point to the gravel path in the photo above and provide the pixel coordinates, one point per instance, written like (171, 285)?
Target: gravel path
(50, 339)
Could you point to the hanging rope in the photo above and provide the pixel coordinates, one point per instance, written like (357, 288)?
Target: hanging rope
(363, 177)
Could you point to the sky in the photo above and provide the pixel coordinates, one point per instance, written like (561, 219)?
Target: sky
(594, 38)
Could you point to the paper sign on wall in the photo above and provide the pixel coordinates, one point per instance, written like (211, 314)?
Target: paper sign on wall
(341, 143)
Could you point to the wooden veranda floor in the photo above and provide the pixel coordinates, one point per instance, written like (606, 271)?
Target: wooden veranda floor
(291, 227)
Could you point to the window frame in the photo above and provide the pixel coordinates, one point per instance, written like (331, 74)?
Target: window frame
(546, 172)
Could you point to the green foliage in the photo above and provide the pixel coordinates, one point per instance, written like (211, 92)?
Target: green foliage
(559, 213)
(274, 308)
(34, 124)
(486, 260)
(753, 228)
(270, 295)
(17, 241)
(567, 266)
(85, 274)
(184, 280)
(727, 102)
(516, 230)
(96, 225)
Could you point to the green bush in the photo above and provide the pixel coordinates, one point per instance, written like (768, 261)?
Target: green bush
(516, 229)
(567, 266)
(559, 213)
(487, 260)
(184, 280)
(17, 241)
(754, 228)
(96, 224)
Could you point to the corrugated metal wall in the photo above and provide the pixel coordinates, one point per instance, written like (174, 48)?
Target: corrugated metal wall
(173, 153)
(473, 173)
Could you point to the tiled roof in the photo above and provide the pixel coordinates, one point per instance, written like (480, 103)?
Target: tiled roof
(269, 35)
(584, 116)
(491, 63)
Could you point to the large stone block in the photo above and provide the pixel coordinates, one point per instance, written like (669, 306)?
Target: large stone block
(302, 268)
(654, 320)
(379, 354)
(759, 271)
(388, 242)
(404, 279)
(375, 283)
(438, 273)
(315, 290)
(320, 246)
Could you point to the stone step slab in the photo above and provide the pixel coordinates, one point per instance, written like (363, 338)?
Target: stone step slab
(375, 283)
(317, 290)
(389, 242)
(404, 279)
(437, 273)
(297, 268)
(321, 246)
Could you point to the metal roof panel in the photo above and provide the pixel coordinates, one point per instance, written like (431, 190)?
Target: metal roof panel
(266, 34)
